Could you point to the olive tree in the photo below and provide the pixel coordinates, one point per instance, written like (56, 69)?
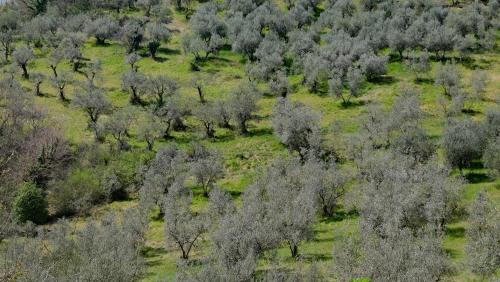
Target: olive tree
(60, 82)
(448, 78)
(206, 166)
(478, 83)
(207, 115)
(102, 28)
(439, 38)
(242, 104)
(37, 79)
(373, 66)
(208, 29)
(118, 125)
(490, 157)
(419, 65)
(315, 70)
(92, 71)
(134, 83)
(463, 142)
(287, 202)
(279, 84)
(199, 83)
(171, 114)
(71, 48)
(161, 88)
(8, 29)
(156, 33)
(168, 169)
(55, 59)
(492, 123)
(404, 209)
(149, 130)
(328, 182)
(94, 103)
(182, 226)
(147, 5)
(223, 114)
(483, 237)
(297, 126)
(22, 56)
(87, 254)
(247, 40)
(132, 35)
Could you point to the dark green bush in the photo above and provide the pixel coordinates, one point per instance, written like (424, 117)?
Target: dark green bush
(76, 194)
(30, 205)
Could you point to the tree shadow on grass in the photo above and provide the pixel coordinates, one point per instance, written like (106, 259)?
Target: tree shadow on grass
(318, 240)
(394, 58)
(151, 252)
(475, 177)
(421, 81)
(477, 164)
(214, 62)
(383, 80)
(315, 257)
(452, 253)
(260, 132)
(470, 112)
(160, 59)
(168, 51)
(225, 137)
(340, 216)
(455, 232)
(234, 194)
(353, 104)
(104, 44)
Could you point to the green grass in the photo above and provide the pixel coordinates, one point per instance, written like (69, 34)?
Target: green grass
(244, 155)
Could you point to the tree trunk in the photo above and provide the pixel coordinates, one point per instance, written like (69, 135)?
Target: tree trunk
(37, 89)
(243, 128)
(209, 131)
(326, 211)
(166, 133)
(150, 145)
(54, 70)
(100, 41)
(294, 249)
(61, 94)
(25, 71)
(76, 65)
(134, 99)
(200, 94)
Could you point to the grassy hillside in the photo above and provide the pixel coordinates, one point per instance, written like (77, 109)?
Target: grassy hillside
(244, 156)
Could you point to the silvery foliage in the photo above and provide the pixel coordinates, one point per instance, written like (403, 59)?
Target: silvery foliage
(297, 126)
(483, 236)
(167, 169)
(92, 253)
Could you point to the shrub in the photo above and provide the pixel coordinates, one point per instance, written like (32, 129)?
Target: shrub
(76, 194)
(30, 205)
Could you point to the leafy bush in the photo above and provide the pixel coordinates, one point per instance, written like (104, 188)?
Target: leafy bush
(30, 205)
(76, 194)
